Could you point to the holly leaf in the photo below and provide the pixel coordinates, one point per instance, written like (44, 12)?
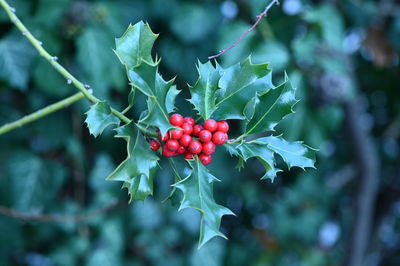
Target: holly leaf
(160, 94)
(203, 92)
(262, 153)
(135, 45)
(271, 108)
(293, 153)
(197, 193)
(141, 187)
(238, 85)
(99, 117)
(138, 169)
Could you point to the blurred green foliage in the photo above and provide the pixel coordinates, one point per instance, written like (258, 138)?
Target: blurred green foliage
(330, 51)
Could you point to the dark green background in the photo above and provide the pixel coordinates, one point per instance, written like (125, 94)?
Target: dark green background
(337, 53)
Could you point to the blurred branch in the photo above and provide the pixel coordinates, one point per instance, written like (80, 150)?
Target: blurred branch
(85, 89)
(259, 17)
(41, 113)
(368, 169)
(58, 218)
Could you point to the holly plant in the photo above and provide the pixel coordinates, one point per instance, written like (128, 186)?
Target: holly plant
(243, 92)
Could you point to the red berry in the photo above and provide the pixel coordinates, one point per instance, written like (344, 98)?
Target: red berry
(205, 159)
(208, 148)
(205, 135)
(223, 126)
(188, 155)
(166, 152)
(165, 138)
(154, 145)
(197, 129)
(181, 150)
(187, 129)
(176, 134)
(176, 120)
(172, 144)
(211, 125)
(185, 140)
(195, 147)
(219, 138)
(189, 120)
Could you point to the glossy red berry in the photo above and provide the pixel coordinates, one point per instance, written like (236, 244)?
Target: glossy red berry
(211, 125)
(205, 135)
(189, 120)
(188, 155)
(185, 140)
(195, 147)
(187, 129)
(172, 144)
(176, 120)
(154, 145)
(181, 149)
(197, 129)
(219, 138)
(223, 126)
(176, 134)
(205, 159)
(165, 138)
(166, 152)
(208, 148)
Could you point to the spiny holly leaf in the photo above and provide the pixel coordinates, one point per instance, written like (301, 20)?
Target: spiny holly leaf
(197, 193)
(271, 108)
(160, 94)
(138, 169)
(239, 84)
(203, 92)
(140, 187)
(99, 117)
(293, 153)
(263, 154)
(135, 44)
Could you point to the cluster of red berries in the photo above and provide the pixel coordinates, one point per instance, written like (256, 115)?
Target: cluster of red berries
(190, 138)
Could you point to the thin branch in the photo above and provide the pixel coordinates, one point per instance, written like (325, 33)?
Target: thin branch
(259, 17)
(41, 113)
(85, 89)
(368, 168)
(58, 218)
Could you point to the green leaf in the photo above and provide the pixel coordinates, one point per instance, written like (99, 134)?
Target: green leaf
(203, 92)
(33, 182)
(293, 153)
(16, 57)
(138, 169)
(160, 94)
(97, 60)
(271, 108)
(99, 117)
(239, 84)
(263, 154)
(135, 44)
(197, 193)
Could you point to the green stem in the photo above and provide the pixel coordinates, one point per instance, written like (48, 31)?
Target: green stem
(146, 131)
(41, 113)
(53, 59)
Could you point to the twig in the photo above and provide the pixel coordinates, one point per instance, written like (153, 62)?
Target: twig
(259, 17)
(368, 169)
(41, 113)
(85, 89)
(58, 218)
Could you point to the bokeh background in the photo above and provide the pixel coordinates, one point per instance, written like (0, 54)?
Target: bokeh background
(57, 209)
